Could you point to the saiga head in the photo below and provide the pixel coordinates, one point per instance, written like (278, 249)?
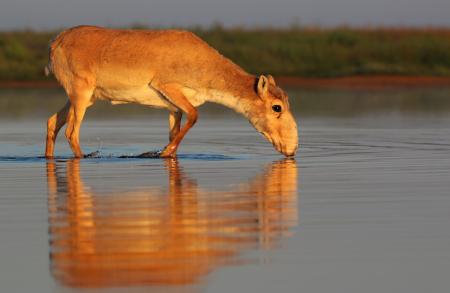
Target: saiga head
(271, 116)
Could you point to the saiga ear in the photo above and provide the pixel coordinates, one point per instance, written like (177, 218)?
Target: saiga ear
(263, 86)
(271, 80)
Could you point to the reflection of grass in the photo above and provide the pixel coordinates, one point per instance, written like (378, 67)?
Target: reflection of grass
(325, 102)
(295, 51)
(40, 103)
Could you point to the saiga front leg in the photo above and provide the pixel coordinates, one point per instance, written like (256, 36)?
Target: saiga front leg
(173, 94)
(174, 124)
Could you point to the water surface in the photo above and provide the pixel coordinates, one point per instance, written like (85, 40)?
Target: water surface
(364, 206)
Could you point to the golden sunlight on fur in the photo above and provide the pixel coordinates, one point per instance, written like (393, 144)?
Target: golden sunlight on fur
(169, 69)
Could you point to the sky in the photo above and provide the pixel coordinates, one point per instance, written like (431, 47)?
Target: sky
(54, 14)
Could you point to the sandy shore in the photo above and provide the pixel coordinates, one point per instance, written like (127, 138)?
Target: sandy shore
(350, 82)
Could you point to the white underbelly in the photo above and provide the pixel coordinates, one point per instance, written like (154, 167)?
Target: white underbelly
(139, 95)
(145, 95)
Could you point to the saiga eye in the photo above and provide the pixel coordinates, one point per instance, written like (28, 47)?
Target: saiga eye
(276, 108)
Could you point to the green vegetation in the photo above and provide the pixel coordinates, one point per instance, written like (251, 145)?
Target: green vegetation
(23, 55)
(296, 51)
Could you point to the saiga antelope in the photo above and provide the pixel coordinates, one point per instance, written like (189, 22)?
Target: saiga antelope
(168, 69)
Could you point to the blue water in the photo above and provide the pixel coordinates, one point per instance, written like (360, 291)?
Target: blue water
(363, 207)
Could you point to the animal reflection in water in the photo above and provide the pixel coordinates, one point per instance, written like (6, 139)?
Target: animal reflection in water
(160, 237)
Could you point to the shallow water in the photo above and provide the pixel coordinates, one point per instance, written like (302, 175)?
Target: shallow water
(364, 207)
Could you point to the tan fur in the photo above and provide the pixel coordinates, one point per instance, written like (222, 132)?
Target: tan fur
(168, 69)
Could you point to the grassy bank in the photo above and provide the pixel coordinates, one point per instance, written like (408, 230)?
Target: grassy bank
(296, 51)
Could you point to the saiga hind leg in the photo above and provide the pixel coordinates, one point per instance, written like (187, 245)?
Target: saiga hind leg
(80, 101)
(54, 124)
